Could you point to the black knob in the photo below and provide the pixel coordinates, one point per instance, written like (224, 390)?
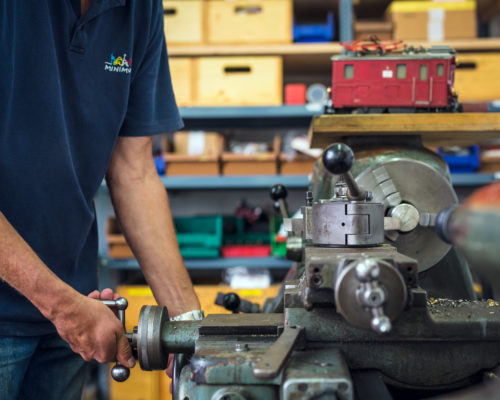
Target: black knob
(231, 302)
(338, 158)
(278, 192)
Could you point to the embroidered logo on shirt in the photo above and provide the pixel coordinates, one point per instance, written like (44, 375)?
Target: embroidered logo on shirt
(118, 64)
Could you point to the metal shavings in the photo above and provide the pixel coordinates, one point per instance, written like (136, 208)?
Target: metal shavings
(492, 303)
(438, 306)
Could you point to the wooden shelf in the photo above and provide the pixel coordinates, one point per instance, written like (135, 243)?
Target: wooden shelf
(446, 129)
(488, 44)
(255, 49)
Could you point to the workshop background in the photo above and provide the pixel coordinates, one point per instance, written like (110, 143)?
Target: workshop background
(248, 76)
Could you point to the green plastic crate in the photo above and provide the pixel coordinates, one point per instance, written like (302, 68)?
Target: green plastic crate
(234, 233)
(278, 249)
(199, 237)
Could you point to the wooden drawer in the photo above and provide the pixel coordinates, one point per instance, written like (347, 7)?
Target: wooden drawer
(181, 70)
(183, 21)
(239, 81)
(249, 21)
(475, 77)
(297, 165)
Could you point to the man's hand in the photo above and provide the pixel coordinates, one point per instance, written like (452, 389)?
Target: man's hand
(92, 330)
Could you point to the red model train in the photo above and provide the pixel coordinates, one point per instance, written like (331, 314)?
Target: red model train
(410, 81)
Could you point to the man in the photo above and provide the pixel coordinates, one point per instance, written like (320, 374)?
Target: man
(83, 86)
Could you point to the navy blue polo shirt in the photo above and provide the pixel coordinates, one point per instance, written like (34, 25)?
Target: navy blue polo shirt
(69, 86)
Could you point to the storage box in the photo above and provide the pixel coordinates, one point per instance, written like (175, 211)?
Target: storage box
(249, 21)
(183, 21)
(296, 164)
(239, 81)
(366, 28)
(195, 153)
(490, 159)
(117, 245)
(476, 77)
(198, 237)
(433, 21)
(182, 73)
(265, 163)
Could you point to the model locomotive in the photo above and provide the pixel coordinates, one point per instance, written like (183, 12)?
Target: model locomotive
(373, 79)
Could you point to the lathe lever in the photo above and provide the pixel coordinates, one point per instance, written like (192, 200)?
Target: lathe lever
(278, 194)
(119, 372)
(271, 363)
(338, 159)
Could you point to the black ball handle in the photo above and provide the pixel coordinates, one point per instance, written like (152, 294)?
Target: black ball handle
(338, 158)
(278, 192)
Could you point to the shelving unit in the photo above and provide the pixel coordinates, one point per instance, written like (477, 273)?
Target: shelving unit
(208, 264)
(308, 49)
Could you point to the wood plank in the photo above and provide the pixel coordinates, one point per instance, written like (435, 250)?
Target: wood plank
(460, 129)
(487, 44)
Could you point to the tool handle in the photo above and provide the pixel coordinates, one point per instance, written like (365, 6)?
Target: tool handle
(279, 193)
(338, 159)
(119, 372)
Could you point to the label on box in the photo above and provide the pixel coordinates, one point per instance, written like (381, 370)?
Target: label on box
(435, 25)
(387, 73)
(196, 143)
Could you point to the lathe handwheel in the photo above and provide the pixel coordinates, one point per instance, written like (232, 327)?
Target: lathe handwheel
(150, 351)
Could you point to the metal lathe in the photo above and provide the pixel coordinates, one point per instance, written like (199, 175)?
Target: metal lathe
(379, 303)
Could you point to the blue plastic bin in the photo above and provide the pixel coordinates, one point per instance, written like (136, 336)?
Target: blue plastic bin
(462, 163)
(308, 33)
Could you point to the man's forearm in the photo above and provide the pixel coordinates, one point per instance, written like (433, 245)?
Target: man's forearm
(21, 268)
(141, 204)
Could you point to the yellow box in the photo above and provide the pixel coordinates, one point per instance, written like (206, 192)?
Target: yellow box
(239, 81)
(475, 77)
(249, 21)
(181, 71)
(183, 21)
(433, 21)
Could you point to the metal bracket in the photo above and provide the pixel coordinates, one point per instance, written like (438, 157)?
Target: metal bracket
(270, 365)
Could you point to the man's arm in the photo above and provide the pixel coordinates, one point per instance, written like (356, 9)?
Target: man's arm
(141, 204)
(91, 328)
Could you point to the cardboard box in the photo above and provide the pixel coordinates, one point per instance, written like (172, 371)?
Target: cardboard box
(239, 81)
(183, 21)
(366, 28)
(117, 245)
(296, 164)
(249, 21)
(490, 159)
(265, 163)
(433, 21)
(195, 153)
(475, 77)
(182, 73)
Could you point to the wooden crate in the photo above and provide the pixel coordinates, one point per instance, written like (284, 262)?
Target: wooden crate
(475, 77)
(239, 81)
(117, 245)
(265, 163)
(296, 165)
(181, 163)
(249, 21)
(181, 70)
(366, 28)
(183, 21)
